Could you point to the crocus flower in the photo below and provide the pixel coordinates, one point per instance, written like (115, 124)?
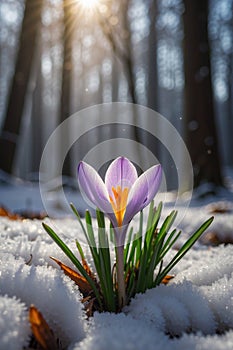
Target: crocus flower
(120, 197)
(123, 194)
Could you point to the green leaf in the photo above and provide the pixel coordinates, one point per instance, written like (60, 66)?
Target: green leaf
(169, 243)
(156, 248)
(150, 216)
(141, 282)
(126, 250)
(106, 279)
(73, 258)
(78, 245)
(90, 232)
(183, 250)
(165, 227)
(80, 221)
(139, 240)
(152, 226)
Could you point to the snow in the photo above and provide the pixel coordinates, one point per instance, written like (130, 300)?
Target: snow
(50, 291)
(116, 332)
(14, 328)
(194, 311)
(18, 196)
(170, 307)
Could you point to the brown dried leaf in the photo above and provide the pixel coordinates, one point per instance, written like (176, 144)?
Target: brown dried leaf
(81, 281)
(41, 330)
(167, 279)
(29, 260)
(219, 208)
(88, 270)
(86, 299)
(213, 238)
(89, 307)
(7, 213)
(26, 214)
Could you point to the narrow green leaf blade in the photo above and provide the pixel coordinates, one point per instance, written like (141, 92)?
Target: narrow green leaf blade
(72, 258)
(183, 250)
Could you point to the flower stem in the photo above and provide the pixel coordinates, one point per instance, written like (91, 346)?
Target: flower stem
(120, 276)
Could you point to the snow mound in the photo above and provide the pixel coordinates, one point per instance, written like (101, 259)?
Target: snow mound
(108, 331)
(14, 328)
(210, 265)
(220, 296)
(176, 308)
(54, 294)
(198, 342)
(27, 239)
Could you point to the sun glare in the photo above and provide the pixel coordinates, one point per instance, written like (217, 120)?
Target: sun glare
(89, 4)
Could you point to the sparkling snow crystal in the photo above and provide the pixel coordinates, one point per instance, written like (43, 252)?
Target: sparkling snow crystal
(14, 327)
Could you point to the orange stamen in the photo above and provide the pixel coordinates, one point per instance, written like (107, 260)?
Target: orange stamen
(119, 203)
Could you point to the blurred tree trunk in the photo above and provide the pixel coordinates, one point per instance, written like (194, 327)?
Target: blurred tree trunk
(122, 51)
(65, 107)
(127, 60)
(201, 135)
(121, 44)
(115, 80)
(14, 111)
(37, 115)
(230, 99)
(153, 87)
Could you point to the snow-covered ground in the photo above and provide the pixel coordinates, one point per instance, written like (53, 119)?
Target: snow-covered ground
(193, 312)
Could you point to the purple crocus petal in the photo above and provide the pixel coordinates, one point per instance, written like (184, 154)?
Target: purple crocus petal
(121, 172)
(143, 191)
(93, 187)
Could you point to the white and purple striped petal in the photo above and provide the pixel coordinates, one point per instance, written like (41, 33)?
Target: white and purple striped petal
(93, 187)
(143, 191)
(121, 172)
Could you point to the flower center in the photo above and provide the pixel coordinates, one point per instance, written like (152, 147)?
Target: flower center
(119, 203)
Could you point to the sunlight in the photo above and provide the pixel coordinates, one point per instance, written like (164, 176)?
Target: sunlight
(88, 4)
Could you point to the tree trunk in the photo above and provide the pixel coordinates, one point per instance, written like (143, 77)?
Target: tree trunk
(153, 87)
(201, 135)
(122, 51)
(65, 109)
(230, 102)
(128, 57)
(14, 112)
(37, 116)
